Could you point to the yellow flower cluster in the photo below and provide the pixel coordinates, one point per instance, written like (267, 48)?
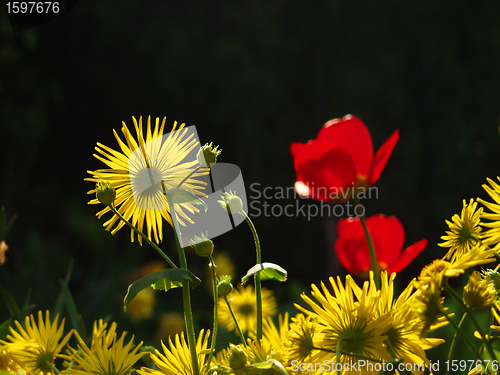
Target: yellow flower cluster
(344, 328)
(360, 329)
(36, 348)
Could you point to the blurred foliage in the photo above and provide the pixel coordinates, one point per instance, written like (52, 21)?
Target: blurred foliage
(253, 76)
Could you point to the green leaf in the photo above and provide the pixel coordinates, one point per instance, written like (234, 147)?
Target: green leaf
(61, 299)
(162, 280)
(268, 271)
(11, 304)
(74, 317)
(178, 196)
(4, 227)
(492, 364)
(4, 327)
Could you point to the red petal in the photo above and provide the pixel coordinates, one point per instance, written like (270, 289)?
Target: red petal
(382, 155)
(296, 148)
(352, 135)
(351, 247)
(324, 168)
(407, 256)
(388, 238)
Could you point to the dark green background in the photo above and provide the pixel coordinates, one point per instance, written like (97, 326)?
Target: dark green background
(253, 76)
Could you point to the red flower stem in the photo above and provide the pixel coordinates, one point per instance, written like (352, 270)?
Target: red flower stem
(373, 254)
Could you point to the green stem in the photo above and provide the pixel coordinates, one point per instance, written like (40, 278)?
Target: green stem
(487, 343)
(186, 292)
(338, 353)
(242, 338)
(373, 255)
(216, 309)
(451, 352)
(461, 333)
(395, 359)
(53, 367)
(258, 286)
(153, 245)
(189, 175)
(489, 322)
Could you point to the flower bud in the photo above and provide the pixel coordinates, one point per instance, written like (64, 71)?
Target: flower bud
(479, 294)
(237, 357)
(203, 246)
(148, 350)
(493, 278)
(207, 156)
(105, 193)
(225, 287)
(232, 203)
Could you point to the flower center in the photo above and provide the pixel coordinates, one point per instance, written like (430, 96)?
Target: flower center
(395, 337)
(45, 362)
(353, 340)
(465, 233)
(147, 188)
(247, 309)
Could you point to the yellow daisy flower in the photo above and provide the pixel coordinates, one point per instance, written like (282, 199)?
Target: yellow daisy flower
(404, 335)
(276, 337)
(177, 358)
(253, 358)
(242, 302)
(301, 337)
(142, 306)
(492, 236)
(106, 355)
(100, 329)
(429, 303)
(477, 256)
(158, 159)
(479, 294)
(465, 231)
(11, 364)
(352, 322)
(45, 341)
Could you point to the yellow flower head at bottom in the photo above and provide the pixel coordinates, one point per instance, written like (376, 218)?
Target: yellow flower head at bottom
(479, 293)
(301, 337)
(437, 270)
(176, 359)
(429, 303)
(274, 336)
(11, 364)
(404, 335)
(45, 339)
(349, 321)
(106, 355)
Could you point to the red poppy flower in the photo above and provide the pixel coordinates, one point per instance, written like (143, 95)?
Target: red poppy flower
(388, 236)
(341, 157)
